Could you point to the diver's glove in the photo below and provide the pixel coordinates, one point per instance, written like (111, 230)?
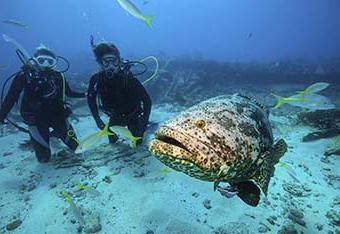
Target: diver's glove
(100, 123)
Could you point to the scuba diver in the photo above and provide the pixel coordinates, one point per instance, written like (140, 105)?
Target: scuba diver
(42, 105)
(122, 97)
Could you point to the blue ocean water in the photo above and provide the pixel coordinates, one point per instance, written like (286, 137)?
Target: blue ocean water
(283, 54)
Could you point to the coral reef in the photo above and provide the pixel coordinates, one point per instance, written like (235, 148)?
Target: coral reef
(328, 123)
(329, 133)
(186, 80)
(321, 119)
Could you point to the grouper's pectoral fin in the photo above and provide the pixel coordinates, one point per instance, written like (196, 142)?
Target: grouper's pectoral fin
(248, 191)
(266, 171)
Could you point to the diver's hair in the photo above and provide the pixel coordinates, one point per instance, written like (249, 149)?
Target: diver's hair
(103, 49)
(43, 50)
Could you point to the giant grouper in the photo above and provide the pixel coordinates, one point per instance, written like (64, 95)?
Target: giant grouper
(223, 139)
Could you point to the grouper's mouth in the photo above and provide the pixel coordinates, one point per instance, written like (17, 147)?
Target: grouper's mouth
(176, 150)
(171, 143)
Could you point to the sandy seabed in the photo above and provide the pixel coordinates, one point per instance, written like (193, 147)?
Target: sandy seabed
(131, 193)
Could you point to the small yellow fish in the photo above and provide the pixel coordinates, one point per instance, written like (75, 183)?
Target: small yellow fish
(125, 133)
(74, 209)
(92, 140)
(283, 164)
(84, 187)
(134, 11)
(314, 88)
(285, 100)
(289, 170)
(67, 197)
(307, 98)
(309, 101)
(164, 171)
(91, 190)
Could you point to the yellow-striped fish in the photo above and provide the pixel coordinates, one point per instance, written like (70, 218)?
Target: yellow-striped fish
(164, 171)
(125, 133)
(74, 209)
(134, 11)
(305, 97)
(91, 190)
(314, 88)
(92, 140)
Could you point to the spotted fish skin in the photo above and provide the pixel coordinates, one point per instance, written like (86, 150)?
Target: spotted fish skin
(227, 138)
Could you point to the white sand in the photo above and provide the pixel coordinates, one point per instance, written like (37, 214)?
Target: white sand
(159, 202)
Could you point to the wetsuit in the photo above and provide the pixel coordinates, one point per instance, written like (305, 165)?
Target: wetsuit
(42, 107)
(123, 98)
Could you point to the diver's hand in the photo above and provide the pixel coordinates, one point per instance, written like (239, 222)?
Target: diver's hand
(100, 124)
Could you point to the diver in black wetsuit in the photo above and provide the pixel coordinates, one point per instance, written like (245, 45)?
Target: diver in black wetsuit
(43, 102)
(123, 98)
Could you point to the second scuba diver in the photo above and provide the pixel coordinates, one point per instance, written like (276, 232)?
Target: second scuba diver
(122, 97)
(43, 102)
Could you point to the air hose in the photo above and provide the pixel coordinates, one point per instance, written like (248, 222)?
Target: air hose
(156, 70)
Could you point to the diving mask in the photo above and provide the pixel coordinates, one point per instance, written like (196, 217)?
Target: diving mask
(45, 61)
(110, 61)
(110, 64)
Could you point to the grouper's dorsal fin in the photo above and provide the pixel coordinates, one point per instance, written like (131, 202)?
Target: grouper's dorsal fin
(266, 171)
(253, 100)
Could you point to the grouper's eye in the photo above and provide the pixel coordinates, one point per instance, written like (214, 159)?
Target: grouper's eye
(200, 123)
